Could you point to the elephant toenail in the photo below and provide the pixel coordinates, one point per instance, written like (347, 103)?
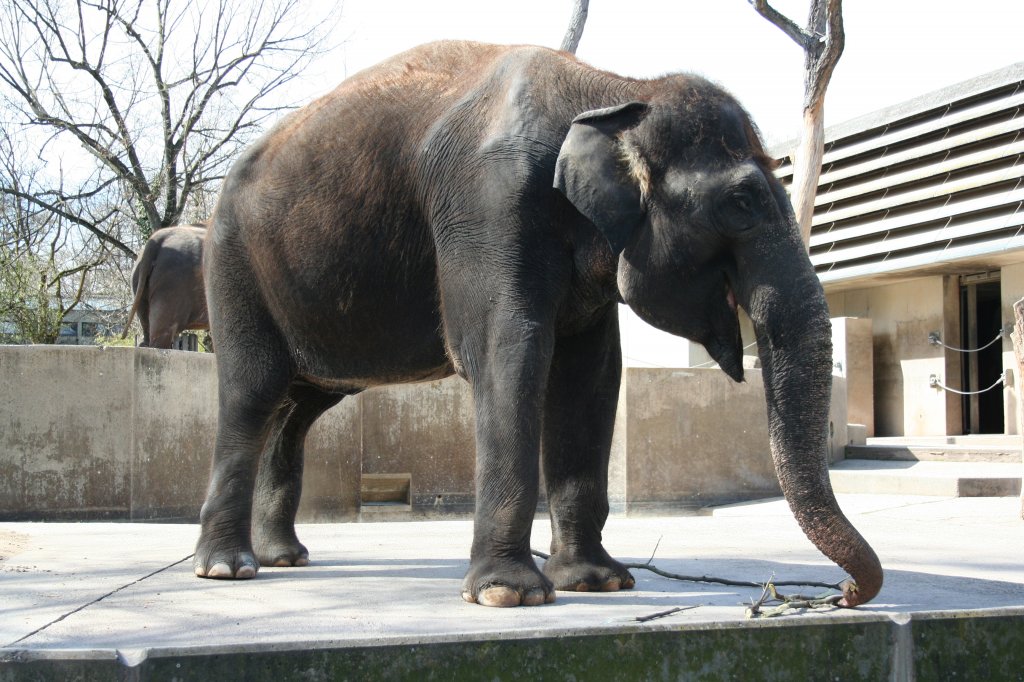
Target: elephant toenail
(534, 598)
(219, 570)
(245, 572)
(499, 596)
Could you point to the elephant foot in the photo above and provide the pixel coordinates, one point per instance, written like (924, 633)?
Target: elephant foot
(507, 582)
(224, 562)
(591, 572)
(281, 553)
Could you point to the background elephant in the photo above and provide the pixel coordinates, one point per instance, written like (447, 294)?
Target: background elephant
(167, 281)
(481, 210)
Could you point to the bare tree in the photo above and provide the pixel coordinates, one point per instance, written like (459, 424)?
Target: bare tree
(43, 268)
(160, 94)
(575, 31)
(823, 41)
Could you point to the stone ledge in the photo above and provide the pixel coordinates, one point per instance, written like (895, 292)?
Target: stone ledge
(986, 644)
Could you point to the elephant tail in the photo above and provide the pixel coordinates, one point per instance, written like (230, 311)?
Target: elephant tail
(140, 279)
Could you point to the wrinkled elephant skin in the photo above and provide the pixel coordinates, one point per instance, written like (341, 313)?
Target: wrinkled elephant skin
(481, 210)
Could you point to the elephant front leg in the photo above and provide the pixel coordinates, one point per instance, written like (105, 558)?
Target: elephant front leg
(583, 390)
(507, 392)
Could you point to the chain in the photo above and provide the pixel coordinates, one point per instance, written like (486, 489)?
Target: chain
(935, 383)
(935, 340)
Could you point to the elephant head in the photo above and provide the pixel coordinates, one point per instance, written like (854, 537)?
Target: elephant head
(682, 189)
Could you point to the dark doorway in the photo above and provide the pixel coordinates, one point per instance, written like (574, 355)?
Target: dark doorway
(980, 323)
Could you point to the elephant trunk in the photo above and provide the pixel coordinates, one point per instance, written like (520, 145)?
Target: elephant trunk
(794, 342)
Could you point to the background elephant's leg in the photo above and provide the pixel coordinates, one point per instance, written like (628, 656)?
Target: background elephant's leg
(142, 315)
(279, 481)
(163, 325)
(253, 386)
(583, 390)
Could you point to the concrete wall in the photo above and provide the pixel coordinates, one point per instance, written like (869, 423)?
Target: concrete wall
(902, 315)
(127, 433)
(692, 438)
(853, 360)
(424, 431)
(1011, 287)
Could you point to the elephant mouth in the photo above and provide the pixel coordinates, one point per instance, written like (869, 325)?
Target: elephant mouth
(726, 344)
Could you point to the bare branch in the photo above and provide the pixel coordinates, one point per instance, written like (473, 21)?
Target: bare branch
(801, 37)
(56, 210)
(648, 566)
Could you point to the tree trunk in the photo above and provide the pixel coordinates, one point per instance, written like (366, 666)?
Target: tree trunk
(807, 168)
(822, 42)
(575, 31)
(1018, 351)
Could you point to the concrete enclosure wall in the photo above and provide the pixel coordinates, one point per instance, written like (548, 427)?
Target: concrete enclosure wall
(854, 361)
(127, 433)
(1011, 290)
(902, 316)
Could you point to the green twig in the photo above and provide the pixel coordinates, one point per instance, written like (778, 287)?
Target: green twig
(799, 602)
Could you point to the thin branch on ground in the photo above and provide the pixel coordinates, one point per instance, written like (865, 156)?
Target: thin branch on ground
(769, 594)
(647, 565)
(662, 614)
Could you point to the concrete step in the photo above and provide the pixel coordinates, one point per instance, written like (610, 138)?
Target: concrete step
(999, 439)
(944, 479)
(928, 452)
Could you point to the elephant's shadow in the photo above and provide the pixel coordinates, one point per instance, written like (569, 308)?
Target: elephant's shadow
(904, 590)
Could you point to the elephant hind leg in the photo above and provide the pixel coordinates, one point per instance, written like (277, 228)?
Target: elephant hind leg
(253, 387)
(142, 315)
(279, 480)
(163, 327)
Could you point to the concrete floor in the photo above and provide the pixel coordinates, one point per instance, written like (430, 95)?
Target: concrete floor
(99, 599)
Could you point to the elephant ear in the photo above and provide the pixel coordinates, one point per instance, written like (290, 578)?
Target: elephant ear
(593, 174)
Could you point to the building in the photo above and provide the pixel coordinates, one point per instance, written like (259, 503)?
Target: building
(919, 227)
(90, 321)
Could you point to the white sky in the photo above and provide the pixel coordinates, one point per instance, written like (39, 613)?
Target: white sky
(895, 49)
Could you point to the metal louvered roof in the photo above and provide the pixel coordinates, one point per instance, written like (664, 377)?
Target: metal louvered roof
(934, 185)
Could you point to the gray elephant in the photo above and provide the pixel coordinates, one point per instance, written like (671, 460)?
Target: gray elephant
(167, 282)
(481, 210)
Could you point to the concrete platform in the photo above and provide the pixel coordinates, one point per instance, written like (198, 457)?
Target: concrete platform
(103, 601)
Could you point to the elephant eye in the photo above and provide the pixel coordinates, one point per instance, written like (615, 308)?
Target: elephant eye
(738, 211)
(743, 201)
